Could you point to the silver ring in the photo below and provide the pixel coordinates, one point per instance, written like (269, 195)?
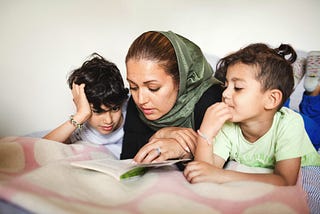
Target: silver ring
(158, 151)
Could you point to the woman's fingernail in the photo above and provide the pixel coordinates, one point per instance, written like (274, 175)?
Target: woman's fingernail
(133, 162)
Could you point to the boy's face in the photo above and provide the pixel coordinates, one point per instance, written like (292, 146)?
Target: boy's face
(107, 121)
(243, 93)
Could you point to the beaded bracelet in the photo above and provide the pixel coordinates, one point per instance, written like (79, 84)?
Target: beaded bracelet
(75, 123)
(204, 137)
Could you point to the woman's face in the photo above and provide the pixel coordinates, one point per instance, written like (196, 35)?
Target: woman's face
(152, 89)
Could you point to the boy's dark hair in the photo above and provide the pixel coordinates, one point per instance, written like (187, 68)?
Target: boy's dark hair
(274, 70)
(103, 82)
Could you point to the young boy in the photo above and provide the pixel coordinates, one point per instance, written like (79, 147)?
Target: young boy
(249, 126)
(100, 99)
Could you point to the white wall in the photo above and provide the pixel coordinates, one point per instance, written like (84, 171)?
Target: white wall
(42, 41)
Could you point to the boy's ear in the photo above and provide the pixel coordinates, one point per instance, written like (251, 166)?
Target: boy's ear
(273, 99)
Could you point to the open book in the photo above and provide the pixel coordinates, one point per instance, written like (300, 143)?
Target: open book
(122, 169)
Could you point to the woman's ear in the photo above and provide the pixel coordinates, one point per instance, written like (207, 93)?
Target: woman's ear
(273, 99)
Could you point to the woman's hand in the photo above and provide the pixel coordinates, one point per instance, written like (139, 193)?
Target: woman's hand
(81, 102)
(168, 143)
(186, 137)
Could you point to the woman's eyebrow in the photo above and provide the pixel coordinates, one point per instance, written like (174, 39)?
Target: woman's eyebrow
(150, 81)
(146, 82)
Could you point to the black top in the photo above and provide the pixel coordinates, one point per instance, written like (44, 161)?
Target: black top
(137, 133)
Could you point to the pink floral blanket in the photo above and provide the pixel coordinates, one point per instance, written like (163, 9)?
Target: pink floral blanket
(36, 174)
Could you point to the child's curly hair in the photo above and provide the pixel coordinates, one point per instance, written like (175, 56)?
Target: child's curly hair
(103, 82)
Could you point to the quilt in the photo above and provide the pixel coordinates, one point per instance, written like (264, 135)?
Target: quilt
(36, 176)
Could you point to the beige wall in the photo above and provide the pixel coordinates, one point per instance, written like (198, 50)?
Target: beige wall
(41, 41)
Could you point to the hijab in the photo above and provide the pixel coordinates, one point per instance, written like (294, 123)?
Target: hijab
(196, 76)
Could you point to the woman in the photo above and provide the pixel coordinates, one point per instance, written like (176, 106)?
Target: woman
(171, 86)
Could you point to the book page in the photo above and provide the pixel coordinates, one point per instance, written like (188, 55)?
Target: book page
(109, 166)
(121, 169)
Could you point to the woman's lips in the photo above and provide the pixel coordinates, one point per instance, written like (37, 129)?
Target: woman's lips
(147, 111)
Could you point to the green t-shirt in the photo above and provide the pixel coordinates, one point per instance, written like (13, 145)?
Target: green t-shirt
(286, 139)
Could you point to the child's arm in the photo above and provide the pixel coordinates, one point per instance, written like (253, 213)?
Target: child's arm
(213, 120)
(285, 173)
(64, 131)
(207, 167)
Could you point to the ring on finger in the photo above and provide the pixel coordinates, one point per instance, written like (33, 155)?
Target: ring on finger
(158, 151)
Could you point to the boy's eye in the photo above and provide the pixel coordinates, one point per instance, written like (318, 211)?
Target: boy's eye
(96, 111)
(237, 88)
(115, 108)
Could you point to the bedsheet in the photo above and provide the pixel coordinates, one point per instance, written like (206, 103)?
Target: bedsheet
(36, 175)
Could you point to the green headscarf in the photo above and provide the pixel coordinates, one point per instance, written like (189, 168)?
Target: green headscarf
(196, 76)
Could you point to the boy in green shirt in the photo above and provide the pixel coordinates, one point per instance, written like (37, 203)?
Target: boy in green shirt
(250, 126)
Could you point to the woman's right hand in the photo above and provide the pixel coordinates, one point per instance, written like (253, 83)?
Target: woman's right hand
(81, 102)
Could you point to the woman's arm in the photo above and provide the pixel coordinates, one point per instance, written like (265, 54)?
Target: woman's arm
(136, 133)
(142, 143)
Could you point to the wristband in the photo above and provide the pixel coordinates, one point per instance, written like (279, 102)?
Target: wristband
(203, 136)
(75, 123)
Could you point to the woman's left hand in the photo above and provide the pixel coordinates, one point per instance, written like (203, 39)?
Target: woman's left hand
(161, 149)
(168, 143)
(186, 137)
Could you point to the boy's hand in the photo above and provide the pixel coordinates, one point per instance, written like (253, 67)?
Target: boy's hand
(198, 171)
(81, 102)
(216, 115)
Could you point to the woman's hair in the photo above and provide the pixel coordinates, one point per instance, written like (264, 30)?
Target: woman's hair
(103, 82)
(158, 48)
(274, 69)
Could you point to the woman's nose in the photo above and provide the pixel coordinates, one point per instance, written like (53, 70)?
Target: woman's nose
(142, 97)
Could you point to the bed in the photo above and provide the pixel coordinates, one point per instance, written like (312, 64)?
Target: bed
(36, 177)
